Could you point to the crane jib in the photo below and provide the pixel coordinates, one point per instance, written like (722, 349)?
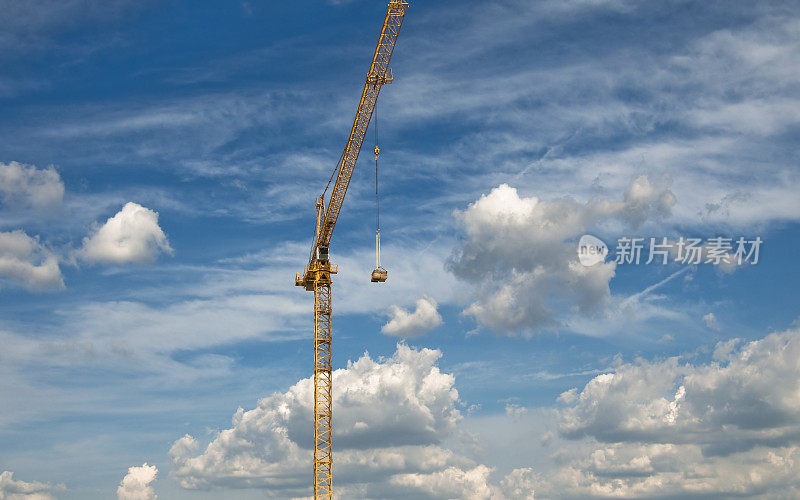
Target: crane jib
(379, 75)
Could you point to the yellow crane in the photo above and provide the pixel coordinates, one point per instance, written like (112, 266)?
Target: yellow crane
(317, 275)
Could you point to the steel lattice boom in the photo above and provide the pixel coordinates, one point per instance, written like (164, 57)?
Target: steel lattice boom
(379, 74)
(316, 276)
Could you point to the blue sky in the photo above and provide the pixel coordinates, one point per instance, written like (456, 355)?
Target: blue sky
(159, 166)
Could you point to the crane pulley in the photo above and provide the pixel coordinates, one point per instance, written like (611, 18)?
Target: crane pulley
(317, 276)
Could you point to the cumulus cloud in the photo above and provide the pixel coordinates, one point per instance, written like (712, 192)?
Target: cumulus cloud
(631, 470)
(391, 417)
(730, 427)
(25, 186)
(751, 392)
(11, 489)
(403, 323)
(517, 255)
(451, 482)
(24, 261)
(131, 236)
(137, 483)
(519, 484)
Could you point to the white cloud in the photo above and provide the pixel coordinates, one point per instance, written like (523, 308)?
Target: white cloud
(519, 484)
(517, 255)
(753, 392)
(451, 482)
(132, 235)
(756, 116)
(629, 470)
(391, 417)
(403, 323)
(137, 483)
(666, 428)
(644, 199)
(711, 321)
(26, 186)
(24, 261)
(11, 489)
(515, 411)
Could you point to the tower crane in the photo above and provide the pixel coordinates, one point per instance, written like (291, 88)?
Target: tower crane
(316, 277)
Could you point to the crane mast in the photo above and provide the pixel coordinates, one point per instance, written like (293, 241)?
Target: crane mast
(317, 276)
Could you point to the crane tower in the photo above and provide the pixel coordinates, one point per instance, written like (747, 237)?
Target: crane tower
(317, 276)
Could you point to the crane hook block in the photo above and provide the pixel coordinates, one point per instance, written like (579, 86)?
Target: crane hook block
(379, 275)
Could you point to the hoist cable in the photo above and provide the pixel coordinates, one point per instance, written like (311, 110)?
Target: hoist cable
(377, 203)
(377, 198)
